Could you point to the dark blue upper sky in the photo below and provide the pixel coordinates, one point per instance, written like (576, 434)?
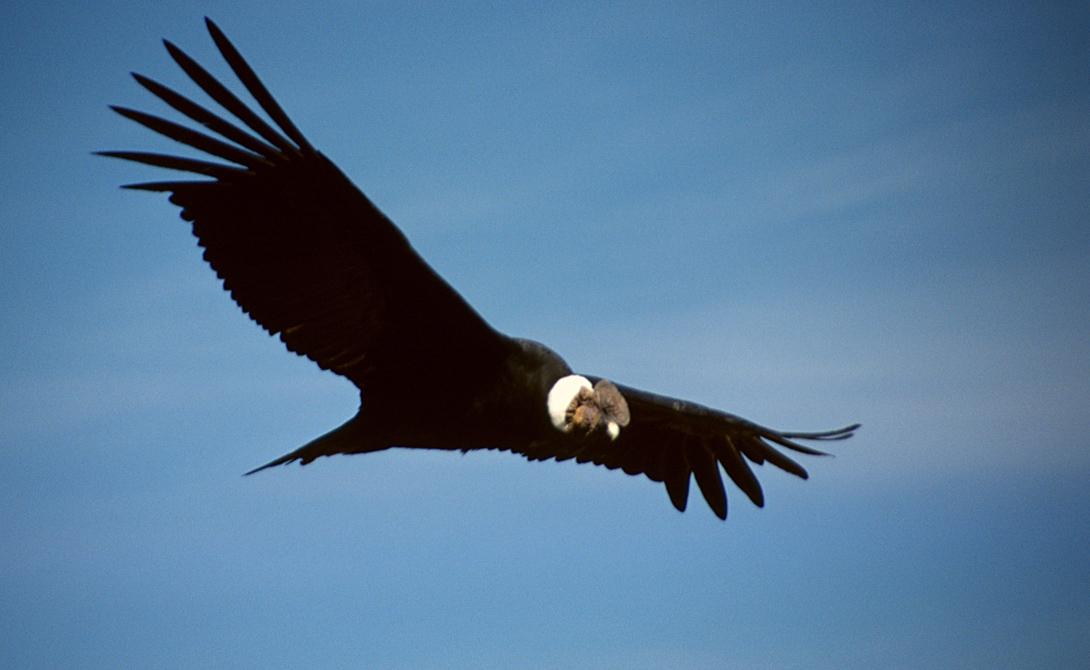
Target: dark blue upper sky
(808, 217)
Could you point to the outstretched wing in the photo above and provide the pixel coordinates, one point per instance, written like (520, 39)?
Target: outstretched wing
(672, 441)
(299, 247)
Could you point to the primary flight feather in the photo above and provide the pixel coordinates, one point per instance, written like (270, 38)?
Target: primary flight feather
(311, 259)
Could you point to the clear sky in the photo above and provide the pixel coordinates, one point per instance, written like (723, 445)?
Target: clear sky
(808, 217)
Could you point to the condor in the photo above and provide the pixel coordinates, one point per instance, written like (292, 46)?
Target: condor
(310, 259)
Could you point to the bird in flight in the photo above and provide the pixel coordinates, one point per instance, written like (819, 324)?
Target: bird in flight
(311, 259)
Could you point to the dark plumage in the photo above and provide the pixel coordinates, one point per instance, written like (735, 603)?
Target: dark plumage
(308, 257)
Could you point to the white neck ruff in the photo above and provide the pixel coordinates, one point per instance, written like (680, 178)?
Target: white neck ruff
(560, 396)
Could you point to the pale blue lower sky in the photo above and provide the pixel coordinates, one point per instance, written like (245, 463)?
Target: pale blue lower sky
(806, 217)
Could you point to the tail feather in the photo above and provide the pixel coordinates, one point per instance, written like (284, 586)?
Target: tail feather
(344, 439)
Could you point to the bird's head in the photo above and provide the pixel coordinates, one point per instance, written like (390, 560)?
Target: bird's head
(578, 408)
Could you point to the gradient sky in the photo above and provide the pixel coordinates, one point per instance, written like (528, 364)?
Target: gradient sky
(850, 212)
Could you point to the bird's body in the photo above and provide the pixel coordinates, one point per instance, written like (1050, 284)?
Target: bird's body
(312, 260)
(488, 406)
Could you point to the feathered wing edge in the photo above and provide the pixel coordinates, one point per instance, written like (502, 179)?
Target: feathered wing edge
(248, 153)
(675, 441)
(731, 446)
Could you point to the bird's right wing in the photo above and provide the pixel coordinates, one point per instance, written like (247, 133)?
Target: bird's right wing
(299, 247)
(673, 441)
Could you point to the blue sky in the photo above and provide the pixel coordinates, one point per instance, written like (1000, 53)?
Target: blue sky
(807, 217)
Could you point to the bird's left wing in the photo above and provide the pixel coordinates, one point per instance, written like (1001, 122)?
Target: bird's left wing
(673, 441)
(301, 249)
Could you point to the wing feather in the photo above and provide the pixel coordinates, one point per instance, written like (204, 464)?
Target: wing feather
(675, 470)
(217, 170)
(706, 473)
(737, 469)
(246, 75)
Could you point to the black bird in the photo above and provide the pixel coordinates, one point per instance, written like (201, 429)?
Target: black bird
(310, 259)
